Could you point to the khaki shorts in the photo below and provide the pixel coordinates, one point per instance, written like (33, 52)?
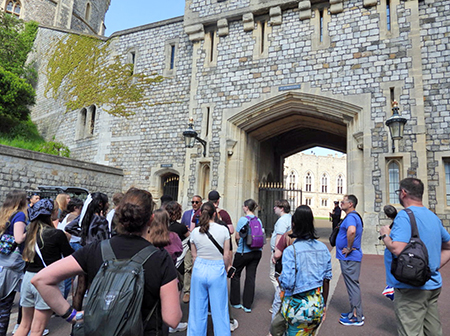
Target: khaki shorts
(30, 297)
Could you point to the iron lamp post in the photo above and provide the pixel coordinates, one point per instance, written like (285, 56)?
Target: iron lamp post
(396, 125)
(190, 136)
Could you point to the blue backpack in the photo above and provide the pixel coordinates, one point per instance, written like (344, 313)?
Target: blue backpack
(253, 233)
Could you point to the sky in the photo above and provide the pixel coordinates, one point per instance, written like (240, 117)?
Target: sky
(122, 16)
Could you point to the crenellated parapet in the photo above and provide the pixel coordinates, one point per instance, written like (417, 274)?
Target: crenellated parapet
(219, 13)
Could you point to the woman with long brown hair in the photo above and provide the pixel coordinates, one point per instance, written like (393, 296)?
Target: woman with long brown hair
(43, 246)
(13, 216)
(210, 247)
(62, 200)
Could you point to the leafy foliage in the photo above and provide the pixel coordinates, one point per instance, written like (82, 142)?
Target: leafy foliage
(81, 72)
(16, 41)
(15, 96)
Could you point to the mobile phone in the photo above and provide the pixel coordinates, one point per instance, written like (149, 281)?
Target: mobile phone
(231, 271)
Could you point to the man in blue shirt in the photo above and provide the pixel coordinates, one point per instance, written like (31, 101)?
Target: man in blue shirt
(349, 254)
(416, 308)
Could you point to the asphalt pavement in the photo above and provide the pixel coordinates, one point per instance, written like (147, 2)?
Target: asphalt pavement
(378, 310)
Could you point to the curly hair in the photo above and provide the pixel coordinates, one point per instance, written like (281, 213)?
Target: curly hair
(134, 211)
(173, 208)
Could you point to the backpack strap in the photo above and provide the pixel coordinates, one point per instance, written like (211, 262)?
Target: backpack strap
(107, 251)
(412, 220)
(142, 256)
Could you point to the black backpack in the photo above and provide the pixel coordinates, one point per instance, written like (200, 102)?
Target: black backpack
(411, 265)
(115, 298)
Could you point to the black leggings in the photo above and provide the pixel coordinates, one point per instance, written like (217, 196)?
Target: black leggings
(5, 312)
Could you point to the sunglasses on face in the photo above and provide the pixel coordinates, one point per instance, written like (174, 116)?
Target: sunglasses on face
(195, 202)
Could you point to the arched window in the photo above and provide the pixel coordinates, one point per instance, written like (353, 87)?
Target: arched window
(13, 7)
(205, 172)
(87, 15)
(92, 110)
(394, 180)
(340, 185)
(308, 182)
(324, 183)
(292, 180)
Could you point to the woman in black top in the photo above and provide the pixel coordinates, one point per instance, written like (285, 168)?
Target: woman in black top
(133, 222)
(43, 246)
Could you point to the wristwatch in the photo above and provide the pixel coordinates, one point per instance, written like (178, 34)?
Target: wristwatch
(382, 236)
(79, 316)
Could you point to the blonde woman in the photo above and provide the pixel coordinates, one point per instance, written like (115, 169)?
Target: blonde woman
(43, 246)
(13, 216)
(62, 200)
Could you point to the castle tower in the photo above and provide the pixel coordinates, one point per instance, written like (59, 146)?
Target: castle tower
(87, 16)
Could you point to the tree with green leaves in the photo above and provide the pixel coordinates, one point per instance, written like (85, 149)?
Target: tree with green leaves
(16, 77)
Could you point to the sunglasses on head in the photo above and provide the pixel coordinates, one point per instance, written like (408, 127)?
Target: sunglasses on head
(195, 202)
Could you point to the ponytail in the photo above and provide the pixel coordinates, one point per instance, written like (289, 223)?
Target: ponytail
(207, 212)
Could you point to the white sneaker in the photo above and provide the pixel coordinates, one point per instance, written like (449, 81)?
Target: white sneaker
(15, 328)
(182, 326)
(46, 331)
(234, 325)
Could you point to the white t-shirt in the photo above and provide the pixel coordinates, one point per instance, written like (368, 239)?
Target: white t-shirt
(205, 247)
(62, 225)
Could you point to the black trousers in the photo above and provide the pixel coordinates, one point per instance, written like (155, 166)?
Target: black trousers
(250, 261)
(5, 311)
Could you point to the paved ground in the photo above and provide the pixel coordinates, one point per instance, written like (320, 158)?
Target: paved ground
(378, 310)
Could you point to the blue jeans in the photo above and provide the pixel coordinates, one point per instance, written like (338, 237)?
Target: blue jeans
(208, 283)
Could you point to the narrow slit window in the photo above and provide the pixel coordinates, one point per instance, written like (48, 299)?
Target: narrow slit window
(392, 94)
(388, 14)
(172, 56)
(211, 54)
(263, 32)
(87, 14)
(92, 124)
(208, 112)
(321, 25)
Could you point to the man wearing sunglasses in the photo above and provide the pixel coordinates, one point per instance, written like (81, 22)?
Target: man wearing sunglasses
(416, 308)
(188, 217)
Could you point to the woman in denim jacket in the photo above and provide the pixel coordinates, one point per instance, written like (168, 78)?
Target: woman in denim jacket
(305, 277)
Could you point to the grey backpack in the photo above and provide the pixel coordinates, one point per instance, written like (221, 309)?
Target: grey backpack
(411, 265)
(115, 297)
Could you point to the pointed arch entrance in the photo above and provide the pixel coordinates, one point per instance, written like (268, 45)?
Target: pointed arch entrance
(285, 124)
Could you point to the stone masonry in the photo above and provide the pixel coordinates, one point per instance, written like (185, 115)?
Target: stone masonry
(270, 79)
(24, 169)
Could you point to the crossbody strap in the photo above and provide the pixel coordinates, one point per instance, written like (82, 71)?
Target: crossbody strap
(220, 248)
(412, 219)
(38, 251)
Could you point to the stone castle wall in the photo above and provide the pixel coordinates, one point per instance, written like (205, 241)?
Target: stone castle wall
(24, 169)
(68, 14)
(249, 60)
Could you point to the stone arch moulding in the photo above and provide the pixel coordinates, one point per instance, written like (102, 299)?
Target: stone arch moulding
(283, 112)
(156, 181)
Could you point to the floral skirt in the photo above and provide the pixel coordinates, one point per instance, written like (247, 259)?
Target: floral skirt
(303, 312)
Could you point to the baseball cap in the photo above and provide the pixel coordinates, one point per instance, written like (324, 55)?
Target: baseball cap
(213, 195)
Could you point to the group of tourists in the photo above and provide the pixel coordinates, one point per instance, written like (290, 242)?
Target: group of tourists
(133, 264)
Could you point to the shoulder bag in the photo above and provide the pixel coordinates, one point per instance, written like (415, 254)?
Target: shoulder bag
(7, 242)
